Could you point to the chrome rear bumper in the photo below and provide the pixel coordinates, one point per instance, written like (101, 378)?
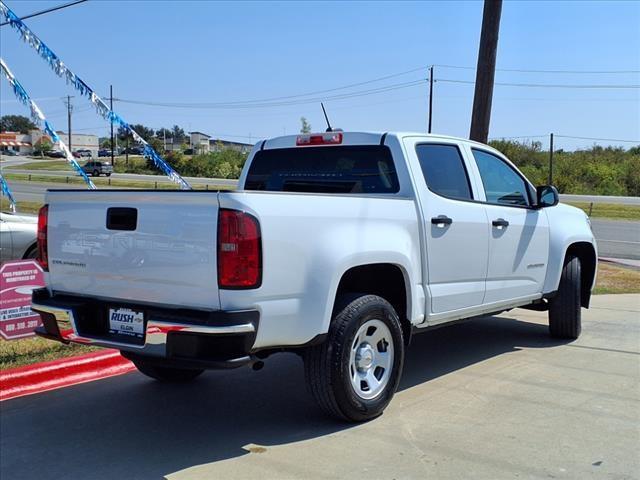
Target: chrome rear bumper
(196, 336)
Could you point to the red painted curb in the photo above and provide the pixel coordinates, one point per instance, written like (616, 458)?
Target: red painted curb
(40, 377)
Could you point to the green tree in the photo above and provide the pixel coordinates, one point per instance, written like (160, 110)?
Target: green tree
(305, 127)
(178, 135)
(163, 133)
(41, 146)
(16, 123)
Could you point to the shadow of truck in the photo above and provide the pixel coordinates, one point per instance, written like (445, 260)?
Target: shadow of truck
(132, 427)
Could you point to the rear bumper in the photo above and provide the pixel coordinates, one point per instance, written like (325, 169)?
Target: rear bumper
(177, 336)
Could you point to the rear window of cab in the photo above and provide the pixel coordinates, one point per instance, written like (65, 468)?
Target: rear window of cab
(352, 169)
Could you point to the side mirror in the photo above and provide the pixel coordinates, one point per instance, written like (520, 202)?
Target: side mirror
(547, 196)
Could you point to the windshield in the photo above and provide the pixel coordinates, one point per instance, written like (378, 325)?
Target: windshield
(344, 169)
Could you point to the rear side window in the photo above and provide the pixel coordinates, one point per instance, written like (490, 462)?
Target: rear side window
(345, 169)
(444, 170)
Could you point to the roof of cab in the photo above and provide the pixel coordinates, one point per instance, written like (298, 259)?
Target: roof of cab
(362, 138)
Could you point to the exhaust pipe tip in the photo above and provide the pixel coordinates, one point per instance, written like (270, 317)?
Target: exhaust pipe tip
(257, 365)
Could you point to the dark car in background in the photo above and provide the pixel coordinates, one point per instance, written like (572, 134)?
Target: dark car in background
(95, 169)
(84, 153)
(134, 150)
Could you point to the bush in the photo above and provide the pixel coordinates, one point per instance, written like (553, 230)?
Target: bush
(597, 170)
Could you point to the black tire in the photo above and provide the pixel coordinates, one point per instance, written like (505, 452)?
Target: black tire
(327, 366)
(167, 374)
(108, 174)
(32, 253)
(565, 320)
(95, 173)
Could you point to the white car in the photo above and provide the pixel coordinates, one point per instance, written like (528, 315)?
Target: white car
(17, 236)
(339, 246)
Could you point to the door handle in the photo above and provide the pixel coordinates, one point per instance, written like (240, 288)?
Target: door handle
(500, 223)
(441, 220)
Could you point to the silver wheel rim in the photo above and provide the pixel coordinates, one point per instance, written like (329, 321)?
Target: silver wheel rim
(371, 359)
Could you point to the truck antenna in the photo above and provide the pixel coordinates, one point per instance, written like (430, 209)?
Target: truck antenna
(329, 129)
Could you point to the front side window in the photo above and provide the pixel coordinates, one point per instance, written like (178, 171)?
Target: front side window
(502, 184)
(444, 171)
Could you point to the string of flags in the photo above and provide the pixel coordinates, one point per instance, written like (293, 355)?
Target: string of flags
(39, 118)
(60, 69)
(6, 191)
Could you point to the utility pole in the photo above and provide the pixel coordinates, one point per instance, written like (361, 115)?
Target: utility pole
(486, 70)
(69, 110)
(550, 182)
(113, 161)
(430, 96)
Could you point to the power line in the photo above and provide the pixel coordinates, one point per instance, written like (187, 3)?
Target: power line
(242, 105)
(317, 92)
(567, 136)
(546, 85)
(602, 139)
(48, 10)
(522, 70)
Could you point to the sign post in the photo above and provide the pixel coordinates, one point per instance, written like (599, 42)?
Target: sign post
(17, 280)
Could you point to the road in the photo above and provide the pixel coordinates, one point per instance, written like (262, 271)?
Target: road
(565, 197)
(617, 238)
(491, 398)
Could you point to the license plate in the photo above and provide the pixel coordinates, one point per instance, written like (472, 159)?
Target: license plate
(124, 321)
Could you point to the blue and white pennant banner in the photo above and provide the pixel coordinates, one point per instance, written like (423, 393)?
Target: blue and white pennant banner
(39, 118)
(6, 191)
(101, 107)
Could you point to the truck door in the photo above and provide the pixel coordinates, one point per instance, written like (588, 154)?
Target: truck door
(519, 240)
(456, 228)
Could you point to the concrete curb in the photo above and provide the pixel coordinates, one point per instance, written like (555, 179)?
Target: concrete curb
(41, 377)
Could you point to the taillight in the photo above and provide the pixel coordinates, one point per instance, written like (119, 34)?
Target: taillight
(43, 256)
(239, 250)
(329, 138)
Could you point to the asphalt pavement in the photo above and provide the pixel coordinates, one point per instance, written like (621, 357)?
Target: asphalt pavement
(491, 398)
(617, 238)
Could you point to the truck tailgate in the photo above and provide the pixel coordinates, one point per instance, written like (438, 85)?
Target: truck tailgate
(143, 246)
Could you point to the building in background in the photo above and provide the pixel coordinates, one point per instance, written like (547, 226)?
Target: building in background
(199, 142)
(23, 143)
(16, 142)
(81, 141)
(217, 144)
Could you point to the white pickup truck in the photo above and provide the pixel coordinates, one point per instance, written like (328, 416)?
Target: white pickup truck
(339, 246)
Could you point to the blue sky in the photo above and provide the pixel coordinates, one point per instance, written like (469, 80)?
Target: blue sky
(207, 52)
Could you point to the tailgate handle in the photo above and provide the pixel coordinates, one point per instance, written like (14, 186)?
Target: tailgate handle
(122, 218)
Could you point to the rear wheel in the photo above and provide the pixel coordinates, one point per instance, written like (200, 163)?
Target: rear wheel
(166, 374)
(565, 308)
(354, 374)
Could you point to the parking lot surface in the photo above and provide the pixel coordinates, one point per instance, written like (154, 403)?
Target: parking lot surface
(491, 398)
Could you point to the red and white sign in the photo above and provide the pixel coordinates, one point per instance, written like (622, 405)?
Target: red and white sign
(17, 280)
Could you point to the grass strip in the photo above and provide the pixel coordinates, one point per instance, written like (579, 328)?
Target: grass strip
(612, 211)
(107, 182)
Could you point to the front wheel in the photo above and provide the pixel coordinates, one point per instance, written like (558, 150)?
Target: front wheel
(565, 319)
(354, 374)
(95, 173)
(167, 374)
